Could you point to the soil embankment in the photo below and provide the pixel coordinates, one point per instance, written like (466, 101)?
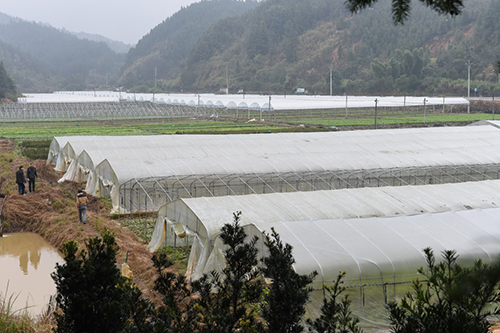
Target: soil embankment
(52, 213)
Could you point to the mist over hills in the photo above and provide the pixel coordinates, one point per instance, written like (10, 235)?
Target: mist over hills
(272, 46)
(42, 58)
(117, 46)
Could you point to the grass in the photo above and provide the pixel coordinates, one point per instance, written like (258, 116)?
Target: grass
(429, 119)
(15, 321)
(179, 255)
(21, 131)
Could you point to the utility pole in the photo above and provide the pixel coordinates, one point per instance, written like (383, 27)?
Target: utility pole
(227, 82)
(493, 112)
(468, 85)
(155, 75)
(376, 103)
(346, 105)
(331, 83)
(425, 107)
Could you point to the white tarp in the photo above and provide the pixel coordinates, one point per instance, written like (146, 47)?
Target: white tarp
(206, 216)
(132, 157)
(231, 101)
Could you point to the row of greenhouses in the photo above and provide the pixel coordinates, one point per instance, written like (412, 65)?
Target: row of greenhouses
(375, 235)
(122, 105)
(364, 202)
(244, 101)
(102, 110)
(143, 172)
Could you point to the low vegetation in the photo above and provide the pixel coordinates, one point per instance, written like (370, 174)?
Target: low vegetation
(15, 321)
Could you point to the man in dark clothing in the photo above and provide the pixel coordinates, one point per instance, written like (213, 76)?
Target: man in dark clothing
(31, 175)
(21, 180)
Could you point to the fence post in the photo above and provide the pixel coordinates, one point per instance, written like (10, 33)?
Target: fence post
(425, 108)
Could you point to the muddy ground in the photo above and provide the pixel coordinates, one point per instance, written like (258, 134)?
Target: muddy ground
(52, 213)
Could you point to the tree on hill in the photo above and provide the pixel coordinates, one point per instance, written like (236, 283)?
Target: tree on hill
(7, 86)
(401, 8)
(282, 45)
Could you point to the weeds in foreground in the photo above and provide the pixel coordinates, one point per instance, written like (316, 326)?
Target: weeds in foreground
(20, 320)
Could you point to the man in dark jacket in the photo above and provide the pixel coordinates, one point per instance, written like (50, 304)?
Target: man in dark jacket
(31, 175)
(21, 180)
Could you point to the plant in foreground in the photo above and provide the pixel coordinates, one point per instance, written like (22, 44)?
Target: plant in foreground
(456, 299)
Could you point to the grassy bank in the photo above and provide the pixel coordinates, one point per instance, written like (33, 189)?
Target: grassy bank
(21, 321)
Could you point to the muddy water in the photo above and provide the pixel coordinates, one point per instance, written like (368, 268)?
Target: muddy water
(26, 261)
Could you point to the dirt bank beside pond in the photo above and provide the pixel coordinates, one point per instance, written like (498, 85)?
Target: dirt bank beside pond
(52, 213)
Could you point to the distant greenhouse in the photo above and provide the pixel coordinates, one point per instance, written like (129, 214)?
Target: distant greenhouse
(71, 105)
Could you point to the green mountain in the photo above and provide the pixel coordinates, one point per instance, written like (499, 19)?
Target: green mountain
(117, 46)
(282, 45)
(7, 86)
(165, 48)
(273, 46)
(75, 63)
(29, 73)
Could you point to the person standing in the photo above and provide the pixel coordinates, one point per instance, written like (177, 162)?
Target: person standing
(81, 203)
(21, 180)
(31, 175)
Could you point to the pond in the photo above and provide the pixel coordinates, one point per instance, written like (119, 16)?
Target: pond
(26, 262)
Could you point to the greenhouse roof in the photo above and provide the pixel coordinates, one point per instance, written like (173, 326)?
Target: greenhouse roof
(129, 157)
(387, 247)
(363, 231)
(245, 101)
(204, 217)
(69, 97)
(214, 212)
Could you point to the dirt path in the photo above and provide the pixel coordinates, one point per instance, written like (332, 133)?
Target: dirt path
(52, 213)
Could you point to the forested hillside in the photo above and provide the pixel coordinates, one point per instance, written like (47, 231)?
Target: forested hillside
(117, 46)
(74, 63)
(7, 86)
(272, 46)
(29, 74)
(167, 45)
(282, 45)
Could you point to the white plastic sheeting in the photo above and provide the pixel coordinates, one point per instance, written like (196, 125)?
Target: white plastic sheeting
(380, 254)
(495, 123)
(55, 152)
(205, 217)
(129, 157)
(385, 247)
(277, 102)
(67, 97)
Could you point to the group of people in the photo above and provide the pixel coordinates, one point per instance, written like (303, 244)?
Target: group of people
(31, 175)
